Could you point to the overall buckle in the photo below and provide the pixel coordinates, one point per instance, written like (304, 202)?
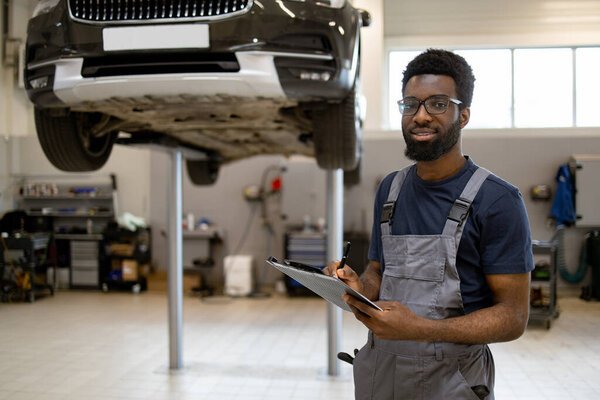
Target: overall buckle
(459, 210)
(388, 212)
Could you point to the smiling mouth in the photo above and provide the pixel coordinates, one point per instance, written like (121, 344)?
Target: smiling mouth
(422, 134)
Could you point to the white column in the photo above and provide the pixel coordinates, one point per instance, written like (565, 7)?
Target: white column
(175, 271)
(335, 233)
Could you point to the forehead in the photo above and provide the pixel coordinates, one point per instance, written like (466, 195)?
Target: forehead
(423, 86)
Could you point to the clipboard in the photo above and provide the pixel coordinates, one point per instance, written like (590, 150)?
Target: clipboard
(328, 287)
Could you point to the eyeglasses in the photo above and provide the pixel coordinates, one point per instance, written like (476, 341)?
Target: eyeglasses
(436, 104)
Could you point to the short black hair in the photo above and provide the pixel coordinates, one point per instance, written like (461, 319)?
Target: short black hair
(443, 62)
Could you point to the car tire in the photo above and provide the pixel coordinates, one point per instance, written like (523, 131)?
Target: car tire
(67, 142)
(354, 176)
(203, 172)
(338, 133)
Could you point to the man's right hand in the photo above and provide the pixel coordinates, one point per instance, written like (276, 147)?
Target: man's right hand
(346, 274)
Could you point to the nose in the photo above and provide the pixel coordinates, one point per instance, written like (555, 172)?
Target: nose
(422, 116)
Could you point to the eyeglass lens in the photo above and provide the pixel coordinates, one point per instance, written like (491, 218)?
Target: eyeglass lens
(433, 105)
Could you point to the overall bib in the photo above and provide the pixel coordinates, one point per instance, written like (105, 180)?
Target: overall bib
(420, 272)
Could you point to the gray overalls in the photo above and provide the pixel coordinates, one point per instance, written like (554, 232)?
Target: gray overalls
(420, 272)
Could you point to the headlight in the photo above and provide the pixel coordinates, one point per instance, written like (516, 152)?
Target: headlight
(331, 3)
(43, 7)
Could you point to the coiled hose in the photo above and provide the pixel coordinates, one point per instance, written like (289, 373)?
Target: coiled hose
(562, 264)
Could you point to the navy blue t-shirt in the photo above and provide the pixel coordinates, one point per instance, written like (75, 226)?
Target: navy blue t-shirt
(496, 238)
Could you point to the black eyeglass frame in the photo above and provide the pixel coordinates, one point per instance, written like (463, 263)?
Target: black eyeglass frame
(424, 103)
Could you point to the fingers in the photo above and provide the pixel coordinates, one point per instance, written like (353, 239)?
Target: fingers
(331, 268)
(343, 273)
(386, 305)
(347, 274)
(359, 306)
(362, 317)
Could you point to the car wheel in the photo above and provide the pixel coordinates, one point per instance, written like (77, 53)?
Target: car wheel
(337, 134)
(203, 172)
(353, 176)
(68, 142)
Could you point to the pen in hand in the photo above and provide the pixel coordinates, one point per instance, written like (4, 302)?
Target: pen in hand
(345, 256)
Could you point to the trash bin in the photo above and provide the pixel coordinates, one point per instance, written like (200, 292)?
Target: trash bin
(593, 258)
(238, 275)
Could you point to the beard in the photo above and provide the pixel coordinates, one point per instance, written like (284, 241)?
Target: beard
(430, 151)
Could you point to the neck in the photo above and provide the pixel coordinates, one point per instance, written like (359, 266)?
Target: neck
(442, 168)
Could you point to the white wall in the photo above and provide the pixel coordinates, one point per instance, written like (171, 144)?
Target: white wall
(371, 65)
(15, 110)
(489, 23)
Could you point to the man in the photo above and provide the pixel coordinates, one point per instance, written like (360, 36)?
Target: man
(450, 254)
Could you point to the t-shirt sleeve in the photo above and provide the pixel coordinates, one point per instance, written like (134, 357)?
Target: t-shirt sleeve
(505, 243)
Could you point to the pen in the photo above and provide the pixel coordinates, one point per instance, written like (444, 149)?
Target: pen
(345, 256)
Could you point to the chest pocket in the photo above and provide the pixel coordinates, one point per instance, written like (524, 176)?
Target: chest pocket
(414, 278)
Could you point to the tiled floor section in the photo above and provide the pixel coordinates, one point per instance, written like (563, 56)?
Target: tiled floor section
(91, 345)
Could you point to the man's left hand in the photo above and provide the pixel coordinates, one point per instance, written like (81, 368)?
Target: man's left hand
(395, 322)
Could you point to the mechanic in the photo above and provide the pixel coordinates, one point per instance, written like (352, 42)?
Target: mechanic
(450, 253)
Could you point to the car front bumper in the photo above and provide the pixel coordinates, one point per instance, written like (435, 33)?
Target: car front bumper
(272, 46)
(257, 77)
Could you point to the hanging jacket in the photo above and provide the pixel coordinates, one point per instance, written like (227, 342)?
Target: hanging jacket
(563, 208)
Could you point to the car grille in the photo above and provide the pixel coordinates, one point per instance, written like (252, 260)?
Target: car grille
(148, 10)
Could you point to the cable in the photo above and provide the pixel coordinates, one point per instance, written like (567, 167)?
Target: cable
(269, 230)
(246, 230)
(256, 293)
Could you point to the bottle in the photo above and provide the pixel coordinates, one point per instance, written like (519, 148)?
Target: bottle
(191, 221)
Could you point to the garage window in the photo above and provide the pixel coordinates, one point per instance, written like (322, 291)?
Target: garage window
(543, 88)
(492, 98)
(520, 88)
(587, 91)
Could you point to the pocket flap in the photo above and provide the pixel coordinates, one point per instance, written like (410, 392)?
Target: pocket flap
(418, 268)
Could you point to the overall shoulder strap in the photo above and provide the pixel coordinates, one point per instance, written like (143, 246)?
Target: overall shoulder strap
(455, 222)
(387, 213)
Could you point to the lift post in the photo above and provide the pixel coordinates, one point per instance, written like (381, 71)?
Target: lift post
(175, 271)
(335, 234)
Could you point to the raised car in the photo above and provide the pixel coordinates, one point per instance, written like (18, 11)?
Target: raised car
(228, 79)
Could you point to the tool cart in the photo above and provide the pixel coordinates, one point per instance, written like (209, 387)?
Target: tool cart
(543, 283)
(308, 247)
(127, 259)
(23, 266)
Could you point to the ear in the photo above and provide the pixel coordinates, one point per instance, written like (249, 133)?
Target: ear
(464, 116)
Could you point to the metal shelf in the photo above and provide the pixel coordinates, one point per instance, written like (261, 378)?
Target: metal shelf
(66, 197)
(545, 312)
(72, 215)
(78, 236)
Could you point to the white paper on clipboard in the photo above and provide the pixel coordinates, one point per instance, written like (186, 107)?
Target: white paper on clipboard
(328, 287)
